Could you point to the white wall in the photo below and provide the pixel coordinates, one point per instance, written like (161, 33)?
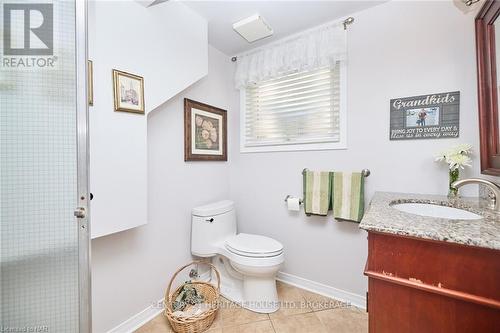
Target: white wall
(167, 45)
(397, 49)
(131, 269)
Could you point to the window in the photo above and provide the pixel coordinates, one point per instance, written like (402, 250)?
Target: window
(300, 111)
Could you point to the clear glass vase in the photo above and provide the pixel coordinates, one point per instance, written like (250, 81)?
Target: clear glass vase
(453, 192)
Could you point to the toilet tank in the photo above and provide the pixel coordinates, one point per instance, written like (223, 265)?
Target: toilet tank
(211, 224)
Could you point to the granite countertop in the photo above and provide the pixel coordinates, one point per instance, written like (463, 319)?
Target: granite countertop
(381, 217)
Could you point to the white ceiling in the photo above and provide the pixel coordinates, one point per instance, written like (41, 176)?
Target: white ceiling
(285, 17)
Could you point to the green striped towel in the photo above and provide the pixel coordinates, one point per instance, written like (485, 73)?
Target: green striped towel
(348, 195)
(317, 192)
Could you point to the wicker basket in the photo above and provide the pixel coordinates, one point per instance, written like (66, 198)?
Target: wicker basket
(201, 322)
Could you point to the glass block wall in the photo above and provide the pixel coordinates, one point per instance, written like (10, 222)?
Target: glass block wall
(38, 233)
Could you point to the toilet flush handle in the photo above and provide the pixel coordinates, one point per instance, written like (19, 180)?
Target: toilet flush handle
(210, 220)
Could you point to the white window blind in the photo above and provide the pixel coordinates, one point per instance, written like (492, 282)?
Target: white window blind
(297, 109)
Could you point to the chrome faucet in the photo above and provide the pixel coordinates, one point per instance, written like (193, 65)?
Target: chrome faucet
(495, 188)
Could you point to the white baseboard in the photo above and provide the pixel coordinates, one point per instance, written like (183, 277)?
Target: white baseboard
(139, 319)
(322, 289)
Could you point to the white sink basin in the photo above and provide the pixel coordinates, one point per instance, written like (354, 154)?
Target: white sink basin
(432, 210)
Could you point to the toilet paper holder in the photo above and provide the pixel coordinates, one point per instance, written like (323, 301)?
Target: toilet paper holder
(289, 197)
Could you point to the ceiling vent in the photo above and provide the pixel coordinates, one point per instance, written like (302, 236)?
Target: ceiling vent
(253, 28)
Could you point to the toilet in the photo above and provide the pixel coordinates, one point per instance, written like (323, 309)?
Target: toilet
(248, 263)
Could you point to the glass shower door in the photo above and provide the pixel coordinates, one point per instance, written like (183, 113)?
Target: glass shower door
(44, 231)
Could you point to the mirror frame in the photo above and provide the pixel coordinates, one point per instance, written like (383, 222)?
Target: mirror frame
(487, 86)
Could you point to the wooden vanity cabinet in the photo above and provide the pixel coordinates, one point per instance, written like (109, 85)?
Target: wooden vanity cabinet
(418, 285)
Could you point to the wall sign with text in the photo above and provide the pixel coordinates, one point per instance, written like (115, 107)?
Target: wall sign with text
(433, 116)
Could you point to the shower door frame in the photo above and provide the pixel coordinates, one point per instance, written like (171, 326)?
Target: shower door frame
(83, 219)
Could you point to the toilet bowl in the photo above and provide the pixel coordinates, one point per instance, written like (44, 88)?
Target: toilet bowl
(248, 263)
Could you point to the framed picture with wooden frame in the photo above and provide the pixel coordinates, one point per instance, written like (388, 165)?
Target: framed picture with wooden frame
(205, 132)
(128, 92)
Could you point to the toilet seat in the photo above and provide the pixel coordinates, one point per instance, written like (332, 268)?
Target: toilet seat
(253, 246)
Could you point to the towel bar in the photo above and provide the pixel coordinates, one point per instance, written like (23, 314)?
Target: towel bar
(364, 172)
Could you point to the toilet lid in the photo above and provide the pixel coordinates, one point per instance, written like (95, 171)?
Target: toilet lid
(254, 245)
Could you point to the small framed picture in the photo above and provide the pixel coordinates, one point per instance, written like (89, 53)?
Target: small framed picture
(422, 117)
(205, 132)
(90, 82)
(128, 91)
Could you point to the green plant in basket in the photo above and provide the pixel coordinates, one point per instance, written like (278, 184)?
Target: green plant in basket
(188, 295)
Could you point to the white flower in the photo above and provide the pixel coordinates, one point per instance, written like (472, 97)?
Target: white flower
(213, 134)
(205, 134)
(440, 157)
(458, 161)
(207, 125)
(199, 121)
(464, 149)
(443, 156)
(456, 157)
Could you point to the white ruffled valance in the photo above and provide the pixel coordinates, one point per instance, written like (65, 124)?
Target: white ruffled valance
(316, 48)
